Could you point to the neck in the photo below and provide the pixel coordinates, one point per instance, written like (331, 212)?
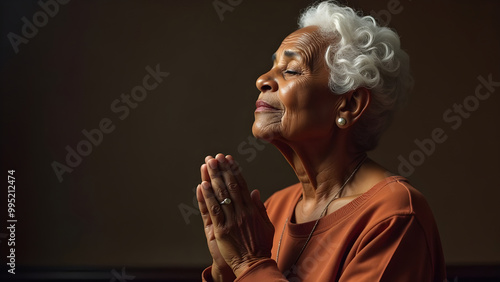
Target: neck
(321, 166)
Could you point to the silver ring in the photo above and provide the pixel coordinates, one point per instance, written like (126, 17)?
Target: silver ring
(226, 201)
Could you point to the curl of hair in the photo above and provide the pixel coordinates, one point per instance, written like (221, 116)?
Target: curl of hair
(363, 54)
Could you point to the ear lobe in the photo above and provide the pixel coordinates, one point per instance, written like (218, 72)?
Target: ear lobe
(353, 106)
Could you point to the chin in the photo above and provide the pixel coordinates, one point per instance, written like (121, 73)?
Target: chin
(263, 131)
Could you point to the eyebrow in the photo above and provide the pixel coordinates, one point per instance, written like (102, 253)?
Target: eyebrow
(291, 54)
(287, 53)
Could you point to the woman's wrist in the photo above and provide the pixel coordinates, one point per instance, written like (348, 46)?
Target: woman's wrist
(243, 267)
(222, 275)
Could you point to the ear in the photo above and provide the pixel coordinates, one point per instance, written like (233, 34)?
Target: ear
(353, 106)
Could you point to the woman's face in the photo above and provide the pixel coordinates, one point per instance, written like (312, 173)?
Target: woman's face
(295, 103)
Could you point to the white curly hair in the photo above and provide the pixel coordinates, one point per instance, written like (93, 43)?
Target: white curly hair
(363, 54)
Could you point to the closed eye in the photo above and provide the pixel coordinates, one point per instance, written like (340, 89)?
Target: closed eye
(291, 72)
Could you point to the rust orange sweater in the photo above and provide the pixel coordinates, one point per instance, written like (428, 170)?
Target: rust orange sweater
(386, 234)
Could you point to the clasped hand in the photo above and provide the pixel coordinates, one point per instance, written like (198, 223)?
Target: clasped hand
(239, 234)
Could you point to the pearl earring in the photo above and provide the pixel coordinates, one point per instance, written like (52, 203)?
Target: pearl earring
(341, 121)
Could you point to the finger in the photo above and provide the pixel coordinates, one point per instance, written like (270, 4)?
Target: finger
(205, 214)
(239, 177)
(218, 185)
(232, 185)
(204, 170)
(204, 173)
(213, 206)
(236, 170)
(255, 195)
(234, 164)
(208, 158)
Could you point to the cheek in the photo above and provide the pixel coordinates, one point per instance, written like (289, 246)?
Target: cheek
(288, 95)
(289, 98)
(309, 111)
(302, 101)
(293, 97)
(323, 106)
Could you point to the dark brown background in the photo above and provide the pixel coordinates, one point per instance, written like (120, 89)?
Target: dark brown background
(122, 205)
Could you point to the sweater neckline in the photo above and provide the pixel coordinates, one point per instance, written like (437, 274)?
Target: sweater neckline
(330, 220)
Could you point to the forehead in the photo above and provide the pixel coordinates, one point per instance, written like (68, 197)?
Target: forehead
(306, 40)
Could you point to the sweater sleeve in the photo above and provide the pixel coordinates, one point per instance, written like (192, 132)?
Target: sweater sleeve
(265, 270)
(206, 275)
(396, 249)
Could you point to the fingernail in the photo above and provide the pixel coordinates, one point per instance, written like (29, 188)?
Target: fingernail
(212, 164)
(220, 157)
(205, 185)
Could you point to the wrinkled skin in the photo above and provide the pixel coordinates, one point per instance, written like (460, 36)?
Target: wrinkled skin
(239, 233)
(297, 112)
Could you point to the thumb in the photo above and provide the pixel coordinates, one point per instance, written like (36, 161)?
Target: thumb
(255, 195)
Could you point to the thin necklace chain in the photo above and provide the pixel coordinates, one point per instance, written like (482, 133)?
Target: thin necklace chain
(323, 213)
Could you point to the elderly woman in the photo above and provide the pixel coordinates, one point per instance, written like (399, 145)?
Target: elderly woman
(333, 88)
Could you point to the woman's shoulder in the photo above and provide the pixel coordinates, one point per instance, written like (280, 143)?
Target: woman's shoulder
(396, 196)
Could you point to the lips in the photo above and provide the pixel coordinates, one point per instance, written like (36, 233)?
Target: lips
(263, 106)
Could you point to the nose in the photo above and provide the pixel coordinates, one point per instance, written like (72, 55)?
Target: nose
(266, 82)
